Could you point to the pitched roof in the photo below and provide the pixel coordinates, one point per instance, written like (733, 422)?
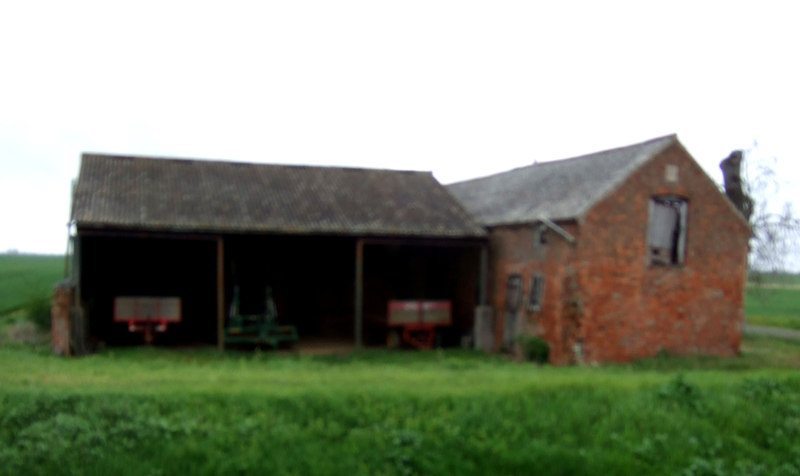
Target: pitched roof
(213, 196)
(557, 190)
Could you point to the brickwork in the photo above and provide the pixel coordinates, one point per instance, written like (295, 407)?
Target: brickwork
(518, 250)
(604, 300)
(634, 309)
(60, 319)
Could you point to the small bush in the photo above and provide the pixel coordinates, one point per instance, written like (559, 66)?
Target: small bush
(680, 393)
(37, 309)
(535, 348)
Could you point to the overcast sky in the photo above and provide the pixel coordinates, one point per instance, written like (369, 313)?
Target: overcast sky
(461, 88)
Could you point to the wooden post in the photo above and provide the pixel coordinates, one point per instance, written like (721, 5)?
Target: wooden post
(220, 294)
(359, 299)
(77, 267)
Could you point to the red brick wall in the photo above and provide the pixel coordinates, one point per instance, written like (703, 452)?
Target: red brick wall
(633, 309)
(512, 250)
(602, 296)
(61, 304)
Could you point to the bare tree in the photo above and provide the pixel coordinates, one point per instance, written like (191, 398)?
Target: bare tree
(754, 191)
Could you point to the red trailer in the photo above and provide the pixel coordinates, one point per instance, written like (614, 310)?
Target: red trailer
(147, 314)
(416, 322)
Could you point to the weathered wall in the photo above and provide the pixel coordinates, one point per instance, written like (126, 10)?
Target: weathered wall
(632, 309)
(61, 304)
(518, 250)
(604, 301)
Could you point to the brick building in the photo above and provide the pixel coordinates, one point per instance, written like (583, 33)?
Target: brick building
(614, 256)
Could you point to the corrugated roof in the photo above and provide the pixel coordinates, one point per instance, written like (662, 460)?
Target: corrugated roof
(214, 196)
(556, 190)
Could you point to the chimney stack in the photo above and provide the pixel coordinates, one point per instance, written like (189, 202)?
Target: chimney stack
(734, 186)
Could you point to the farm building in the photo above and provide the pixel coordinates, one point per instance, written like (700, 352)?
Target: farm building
(612, 256)
(615, 255)
(204, 239)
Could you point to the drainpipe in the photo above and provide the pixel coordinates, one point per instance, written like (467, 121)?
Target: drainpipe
(564, 233)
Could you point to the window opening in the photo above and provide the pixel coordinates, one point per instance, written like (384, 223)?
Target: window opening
(514, 293)
(666, 236)
(539, 235)
(537, 292)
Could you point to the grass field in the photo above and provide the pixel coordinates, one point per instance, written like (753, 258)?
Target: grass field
(781, 279)
(774, 300)
(181, 411)
(145, 411)
(778, 307)
(27, 277)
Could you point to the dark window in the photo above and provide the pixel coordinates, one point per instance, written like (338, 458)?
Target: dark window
(540, 235)
(514, 293)
(666, 234)
(537, 292)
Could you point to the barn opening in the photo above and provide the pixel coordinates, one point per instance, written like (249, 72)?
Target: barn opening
(312, 280)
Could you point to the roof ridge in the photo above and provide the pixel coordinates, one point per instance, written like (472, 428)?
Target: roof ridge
(145, 192)
(570, 159)
(559, 189)
(606, 151)
(189, 160)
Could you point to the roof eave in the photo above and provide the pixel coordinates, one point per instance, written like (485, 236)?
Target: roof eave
(479, 234)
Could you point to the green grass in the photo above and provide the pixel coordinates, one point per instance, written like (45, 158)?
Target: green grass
(24, 278)
(768, 306)
(159, 411)
(155, 411)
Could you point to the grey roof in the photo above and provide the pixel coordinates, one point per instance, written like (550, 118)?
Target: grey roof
(558, 190)
(214, 196)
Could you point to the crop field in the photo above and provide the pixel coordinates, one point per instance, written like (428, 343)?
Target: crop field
(776, 279)
(24, 278)
(774, 301)
(148, 411)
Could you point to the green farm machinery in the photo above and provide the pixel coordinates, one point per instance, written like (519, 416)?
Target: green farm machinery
(258, 329)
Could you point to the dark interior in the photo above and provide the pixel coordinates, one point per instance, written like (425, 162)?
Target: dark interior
(312, 279)
(121, 266)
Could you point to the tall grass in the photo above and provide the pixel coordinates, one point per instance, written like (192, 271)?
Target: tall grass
(749, 427)
(156, 411)
(149, 411)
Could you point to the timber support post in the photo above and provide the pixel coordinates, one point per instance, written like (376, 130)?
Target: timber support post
(220, 294)
(359, 294)
(483, 275)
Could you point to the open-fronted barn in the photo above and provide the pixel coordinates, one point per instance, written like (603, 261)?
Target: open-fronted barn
(331, 245)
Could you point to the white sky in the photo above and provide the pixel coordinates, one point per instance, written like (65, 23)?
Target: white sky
(462, 88)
